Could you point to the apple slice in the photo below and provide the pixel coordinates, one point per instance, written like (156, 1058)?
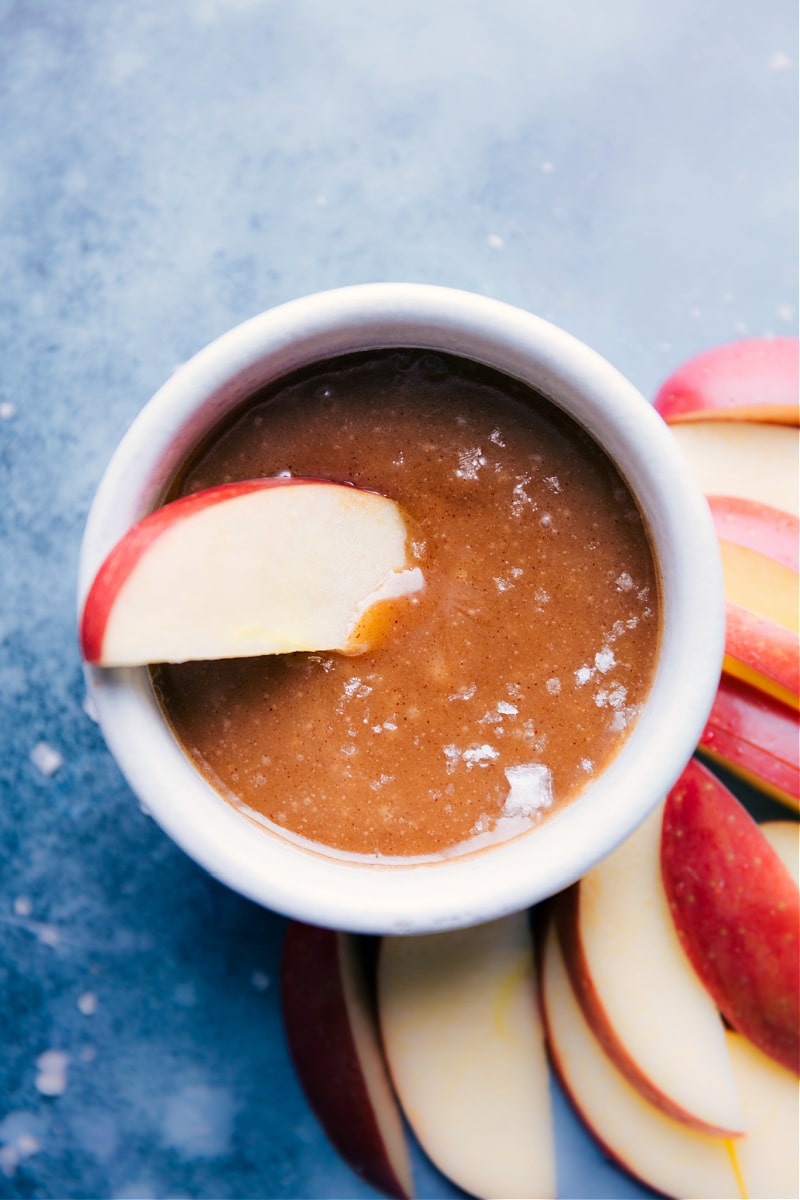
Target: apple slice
(662, 1152)
(750, 380)
(635, 983)
(464, 1042)
(746, 459)
(762, 607)
(267, 566)
(768, 1158)
(332, 1034)
(757, 527)
(762, 652)
(736, 909)
(757, 737)
(784, 837)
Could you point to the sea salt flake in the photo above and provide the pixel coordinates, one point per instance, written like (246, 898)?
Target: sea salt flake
(624, 582)
(356, 687)
(583, 675)
(604, 660)
(87, 1003)
(469, 463)
(480, 756)
(520, 500)
(531, 790)
(553, 685)
(507, 710)
(52, 1077)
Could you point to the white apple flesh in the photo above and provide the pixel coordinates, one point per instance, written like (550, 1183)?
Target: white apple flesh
(745, 459)
(784, 837)
(768, 1156)
(267, 566)
(638, 988)
(464, 1042)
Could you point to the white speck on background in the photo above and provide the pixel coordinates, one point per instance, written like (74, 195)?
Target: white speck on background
(48, 935)
(123, 65)
(23, 906)
(87, 1003)
(198, 1121)
(52, 1077)
(136, 1190)
(785, 312)
(46, 759)
(7, 410)
(495, 241)
(259, 981)
(779, 62)
(75, 182)
(21, 1135)
(547, 168)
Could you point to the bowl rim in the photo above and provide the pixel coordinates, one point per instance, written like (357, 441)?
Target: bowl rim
(506, 877)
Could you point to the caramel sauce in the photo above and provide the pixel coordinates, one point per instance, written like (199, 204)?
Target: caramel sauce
(492, 697)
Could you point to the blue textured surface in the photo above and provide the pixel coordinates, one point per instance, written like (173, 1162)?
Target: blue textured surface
(624, 168)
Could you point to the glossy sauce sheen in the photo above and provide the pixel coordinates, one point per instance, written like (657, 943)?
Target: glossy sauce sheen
(497, 694)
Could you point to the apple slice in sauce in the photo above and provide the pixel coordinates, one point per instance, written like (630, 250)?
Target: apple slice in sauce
(267, 566)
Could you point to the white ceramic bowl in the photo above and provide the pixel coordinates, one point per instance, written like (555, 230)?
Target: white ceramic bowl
(505, 877)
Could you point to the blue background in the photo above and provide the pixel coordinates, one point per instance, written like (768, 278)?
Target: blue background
(627, 169)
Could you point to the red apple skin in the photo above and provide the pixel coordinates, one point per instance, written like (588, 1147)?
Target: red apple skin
(754, 379)
(762, 652)
(758, 527)
(126, 553)
(736, 910)
(757, 737)
(320, 1039)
